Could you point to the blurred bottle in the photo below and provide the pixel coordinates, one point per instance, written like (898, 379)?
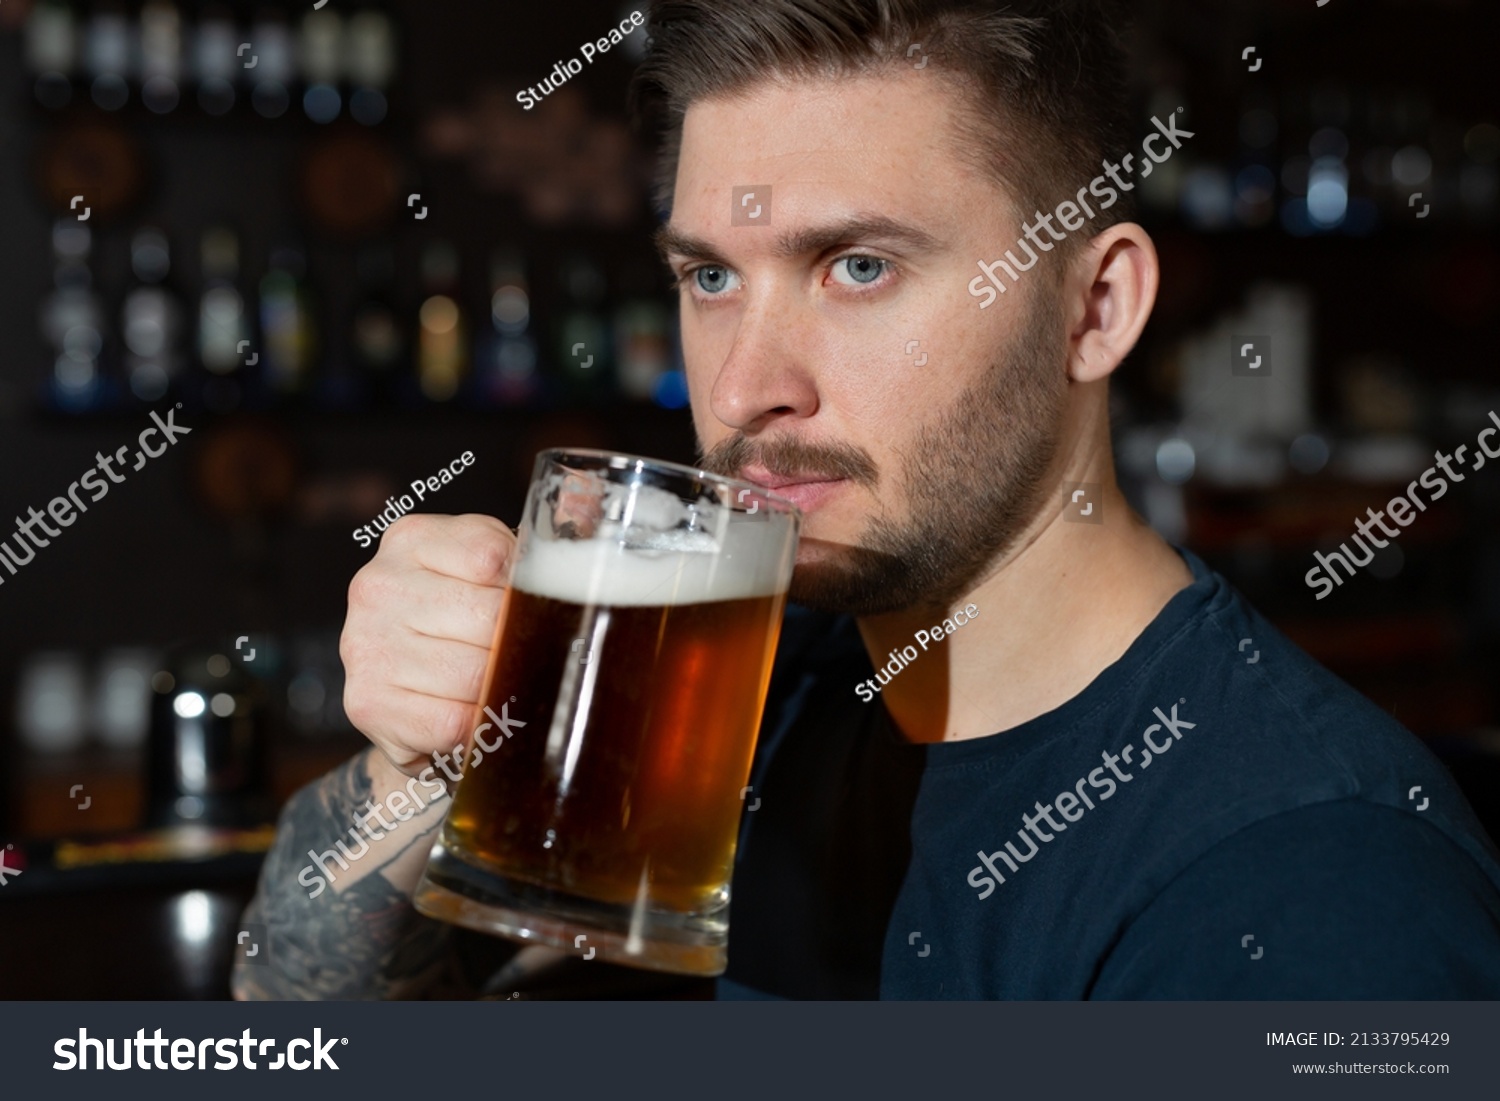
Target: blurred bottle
(643, 350)
(225, 345)
(271, 70)
(161, 56)
(50, 712)
(370, 64)
(582, 351)
(1255, 165)
(379, 342)
(52, 44)
(72, 321)
(506, 358)
(1411, 164)
(122, 697)
(1479, 181)
(107, 56)
(320, 56)
(1336, 197)
(286, 324)
(441, 342)
(216, 61)
(151, 318)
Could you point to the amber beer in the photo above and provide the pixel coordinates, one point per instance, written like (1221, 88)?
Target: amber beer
(632, 659)
(650, 805)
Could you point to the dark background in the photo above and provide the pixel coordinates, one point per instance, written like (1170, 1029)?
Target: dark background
(243, 529)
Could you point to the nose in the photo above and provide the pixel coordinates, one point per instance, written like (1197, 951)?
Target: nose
(765, 376)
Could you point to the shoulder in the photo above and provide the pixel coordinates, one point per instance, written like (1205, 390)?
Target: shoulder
(1276, 733)
(1344, 899)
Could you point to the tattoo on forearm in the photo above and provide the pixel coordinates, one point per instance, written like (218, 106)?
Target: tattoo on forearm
(363, 942)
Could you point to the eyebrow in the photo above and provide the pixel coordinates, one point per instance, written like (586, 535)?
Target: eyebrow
(872, 228)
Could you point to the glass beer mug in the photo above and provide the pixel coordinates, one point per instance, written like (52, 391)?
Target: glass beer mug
(601, 799)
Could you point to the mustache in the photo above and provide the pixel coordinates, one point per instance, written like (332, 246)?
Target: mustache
(789, 458)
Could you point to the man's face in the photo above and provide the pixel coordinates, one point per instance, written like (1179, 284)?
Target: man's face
(837, 346)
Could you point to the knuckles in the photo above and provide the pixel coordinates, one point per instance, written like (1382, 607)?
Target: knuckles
(374, 586)
(492, 554)
(414, 527)
(451, 726)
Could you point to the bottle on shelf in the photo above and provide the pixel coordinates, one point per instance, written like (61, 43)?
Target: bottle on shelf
(216, 60)
(52, 43)
(286, 324)
(370, 64)
(1479, 179)
(582, 358)
(107, 56)
(1255, 162)
(72, 322)
(441, 342)
(642, 347)
(226, 348)
(272, 77)
(161, 56)
(378, 339)
(505, 370)
(320, 56)
(151, 318)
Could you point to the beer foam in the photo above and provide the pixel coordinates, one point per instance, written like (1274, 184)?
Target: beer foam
(665, 568)
(644, 506)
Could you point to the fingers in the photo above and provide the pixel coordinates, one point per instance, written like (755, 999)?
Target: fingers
(408, 727)
(436, 667)
(471, 548)
(433, 604)
(416, 641)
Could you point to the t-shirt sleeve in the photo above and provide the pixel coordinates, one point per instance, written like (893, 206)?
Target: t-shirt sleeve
(1341, 900)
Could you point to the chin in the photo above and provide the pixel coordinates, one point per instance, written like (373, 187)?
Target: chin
(828, 532)
(844, 579)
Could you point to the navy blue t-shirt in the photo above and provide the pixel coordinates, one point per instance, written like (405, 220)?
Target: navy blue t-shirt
(1272, 845)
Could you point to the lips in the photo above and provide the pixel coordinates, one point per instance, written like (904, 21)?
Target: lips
(806, 491)
(775, 483)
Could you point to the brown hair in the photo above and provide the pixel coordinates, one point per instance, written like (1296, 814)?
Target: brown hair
(1044, 79)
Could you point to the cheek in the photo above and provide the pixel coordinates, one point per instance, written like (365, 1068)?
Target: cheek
(709, 428)
(706, 338)
(700, 362)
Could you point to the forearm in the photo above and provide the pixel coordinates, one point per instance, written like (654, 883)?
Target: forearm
(351, 933)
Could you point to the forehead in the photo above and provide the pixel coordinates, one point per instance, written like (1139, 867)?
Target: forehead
(891, 136)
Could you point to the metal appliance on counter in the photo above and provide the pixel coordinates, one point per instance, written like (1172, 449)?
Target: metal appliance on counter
(207, 760)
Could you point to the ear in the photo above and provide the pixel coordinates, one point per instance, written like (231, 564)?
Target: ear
(1110, 292)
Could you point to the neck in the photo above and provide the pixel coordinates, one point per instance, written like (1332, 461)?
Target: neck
(1060, 608)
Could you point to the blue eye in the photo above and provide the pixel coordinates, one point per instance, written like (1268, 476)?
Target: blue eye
(860, 269)
(714, 280)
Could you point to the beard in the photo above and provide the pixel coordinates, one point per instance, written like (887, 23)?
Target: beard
(971, 483)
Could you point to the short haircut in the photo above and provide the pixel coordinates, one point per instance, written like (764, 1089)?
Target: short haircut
(1043, 80)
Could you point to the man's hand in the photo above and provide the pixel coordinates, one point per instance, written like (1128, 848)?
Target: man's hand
(422, 617)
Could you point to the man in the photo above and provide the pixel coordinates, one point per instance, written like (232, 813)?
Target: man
(1080, 787)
